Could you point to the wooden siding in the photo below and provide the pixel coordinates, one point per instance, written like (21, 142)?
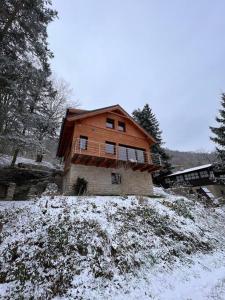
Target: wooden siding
(95, 129)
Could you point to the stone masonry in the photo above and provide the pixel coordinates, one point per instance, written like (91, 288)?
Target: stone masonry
(100, 181)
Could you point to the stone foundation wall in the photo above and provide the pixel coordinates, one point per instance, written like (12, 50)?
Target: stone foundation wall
(100, 181)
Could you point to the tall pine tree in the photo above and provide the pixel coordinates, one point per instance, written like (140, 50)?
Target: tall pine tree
(25, 82)
(147, 119)
(219, 132)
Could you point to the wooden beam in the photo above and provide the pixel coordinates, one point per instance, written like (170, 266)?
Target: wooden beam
(145, 168)
(83, 159)
(87, 160)
(75, 158)
(115, 164)
(154, 168)
(109, 163)
(138, 167)
(93, 161)
(102, 162)
(98, 161)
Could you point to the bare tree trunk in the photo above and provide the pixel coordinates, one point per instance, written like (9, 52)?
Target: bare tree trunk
(16, 152)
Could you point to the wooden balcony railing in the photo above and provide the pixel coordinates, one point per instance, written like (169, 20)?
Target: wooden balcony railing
(116, 152)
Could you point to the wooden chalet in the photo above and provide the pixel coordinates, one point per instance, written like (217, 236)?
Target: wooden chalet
(105, 138)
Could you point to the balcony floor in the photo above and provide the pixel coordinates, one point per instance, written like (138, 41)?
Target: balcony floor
(106, 162)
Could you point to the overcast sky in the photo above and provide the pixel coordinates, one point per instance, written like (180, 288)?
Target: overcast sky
(168, 53)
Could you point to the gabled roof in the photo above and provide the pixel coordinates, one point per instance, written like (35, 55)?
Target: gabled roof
(72, 115)
(95, 112)
(191, 170)
(77, 111)
(89, 113)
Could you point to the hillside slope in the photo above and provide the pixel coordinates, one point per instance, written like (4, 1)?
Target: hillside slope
(165, 247)
(181, 160)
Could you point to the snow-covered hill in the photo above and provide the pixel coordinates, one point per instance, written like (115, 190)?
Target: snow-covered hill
(5, 161)
(164, 247)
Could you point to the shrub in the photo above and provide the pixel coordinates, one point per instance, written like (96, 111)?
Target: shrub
(80, 187)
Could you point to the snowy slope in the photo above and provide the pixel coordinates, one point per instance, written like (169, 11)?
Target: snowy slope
(167, 247)
(5, 160)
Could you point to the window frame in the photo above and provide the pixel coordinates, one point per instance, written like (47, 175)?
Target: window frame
(116, 178)
(110, 121)
(123, 126)
(192, 176)
(180, 178)
(204, 174)
(110, 144)
(83, 138)
(140, 156)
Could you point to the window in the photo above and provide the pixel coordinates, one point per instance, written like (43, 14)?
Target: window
(131, 154)
(167, 180)
(121, 126)
(140, 156)
(110, 123)
(191, 176)
(110, 147)
(83, 142)
(116, 178)
(211, 175)
(204, 174)
(180, 178)
(122, 153)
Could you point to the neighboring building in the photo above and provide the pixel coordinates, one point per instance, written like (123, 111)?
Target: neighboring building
(109, 150)
(207, 180)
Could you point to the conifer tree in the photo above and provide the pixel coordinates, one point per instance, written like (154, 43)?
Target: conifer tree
(219, 132)
(25, 82)
(147, 119)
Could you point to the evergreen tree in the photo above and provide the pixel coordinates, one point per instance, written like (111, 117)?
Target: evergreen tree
(147, 119)
(219, 132)
(25, 84)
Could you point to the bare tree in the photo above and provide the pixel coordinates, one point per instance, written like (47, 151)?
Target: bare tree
(54, 109)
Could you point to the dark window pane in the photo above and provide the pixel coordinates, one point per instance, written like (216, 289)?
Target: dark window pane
(116, 178)
(131, 154)
(140, 156)
(110, 123)
(123, 153)
(121, 126)
(110, 148)
(83, 142)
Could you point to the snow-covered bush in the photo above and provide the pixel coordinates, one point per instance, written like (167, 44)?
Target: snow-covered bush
(63, 244)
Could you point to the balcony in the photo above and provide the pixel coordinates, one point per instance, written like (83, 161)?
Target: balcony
(110, 155)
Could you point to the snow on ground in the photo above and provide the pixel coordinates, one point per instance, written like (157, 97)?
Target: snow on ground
(5, 160)
(14, 204)
(163, 248)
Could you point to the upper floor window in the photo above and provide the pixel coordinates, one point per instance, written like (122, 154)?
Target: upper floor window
(121, 126)
(110, 147)
(110, 123)
(83, 142)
